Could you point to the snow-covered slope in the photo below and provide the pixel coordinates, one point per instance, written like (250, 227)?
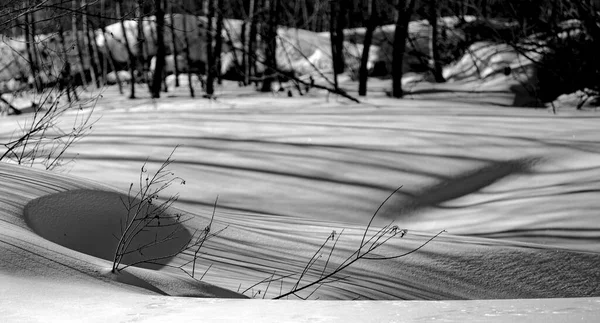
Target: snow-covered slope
(515, 189)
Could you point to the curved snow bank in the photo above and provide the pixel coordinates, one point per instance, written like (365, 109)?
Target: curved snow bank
(90, 221)
(70, 276)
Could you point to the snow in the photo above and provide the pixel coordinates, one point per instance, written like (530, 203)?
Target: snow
(514, 188)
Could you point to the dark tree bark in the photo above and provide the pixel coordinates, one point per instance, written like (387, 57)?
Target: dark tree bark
(101, 72)
(248, 43)
(188, 56)
(174, 46)
(219, 40)
(87, 43)
(434, 43)
(130, 56)
(141, 41)
(90, 48)
(252, 43)
(157, 79)
(30, 48)
(333, 12)
(340, 24)
(65, 80)
(270, 44)
(77, 43)
(210, 57)
(404, 9)
(371, 25)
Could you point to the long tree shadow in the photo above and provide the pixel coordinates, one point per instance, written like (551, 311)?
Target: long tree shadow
(455, 187)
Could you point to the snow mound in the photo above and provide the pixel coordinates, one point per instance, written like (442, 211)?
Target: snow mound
(485, 59)
(90, 221)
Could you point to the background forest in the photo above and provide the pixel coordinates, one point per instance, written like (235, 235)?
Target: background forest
(264, 41)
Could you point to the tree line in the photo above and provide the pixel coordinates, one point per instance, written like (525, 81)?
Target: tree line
(544, 20)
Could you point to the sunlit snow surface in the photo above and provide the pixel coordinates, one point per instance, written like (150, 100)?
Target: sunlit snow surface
(516, 189)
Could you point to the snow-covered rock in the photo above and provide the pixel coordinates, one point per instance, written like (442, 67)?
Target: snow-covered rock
(169, 68)
(184, 81)
(486, 59)
(124, 76)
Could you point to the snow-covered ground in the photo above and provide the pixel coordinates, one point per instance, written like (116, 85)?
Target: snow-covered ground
(516, 189)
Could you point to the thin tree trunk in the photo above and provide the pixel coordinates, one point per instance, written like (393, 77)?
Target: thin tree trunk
(95, 56)
(304, 14)
(174, 46)
(271, 44)
(248, 48)
(36, 56)
(187, 54)
(130, 56)
(219, 40)
(77, 43)
(210, 57)
(404, 10)
(371, 25)
(340, 24)
(104, 57)
(434, 43)
(93, 62)
(87, 44)
(333, 12)
(30, 47)
(160, 49)
(316, 17)
(66, 78)
(252, 41)
(141, 42)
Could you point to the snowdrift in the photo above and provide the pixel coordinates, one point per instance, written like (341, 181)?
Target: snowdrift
(288, 175)
(514, 188)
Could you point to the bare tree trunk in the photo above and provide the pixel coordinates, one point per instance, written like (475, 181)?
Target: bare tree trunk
(210, 57)
(141, 42)
(66, 78)
(316, 17)
(252, 41)
(434, 43)
(248, 43)
(77, 43)
(304, 14)
(270, 44)
(219, 40)
(371, 25)
(101, 73)
(87, 44)
(404, 10)
(36, 56)
(157, 79)
(30, 47)
(174, 46)
(333, 11)
(104, 57)
(340, 24)
(187, 55)
(130, 56)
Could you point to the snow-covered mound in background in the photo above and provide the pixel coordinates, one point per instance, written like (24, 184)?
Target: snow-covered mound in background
(183, 25)
(486, 68)
(484, 60)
